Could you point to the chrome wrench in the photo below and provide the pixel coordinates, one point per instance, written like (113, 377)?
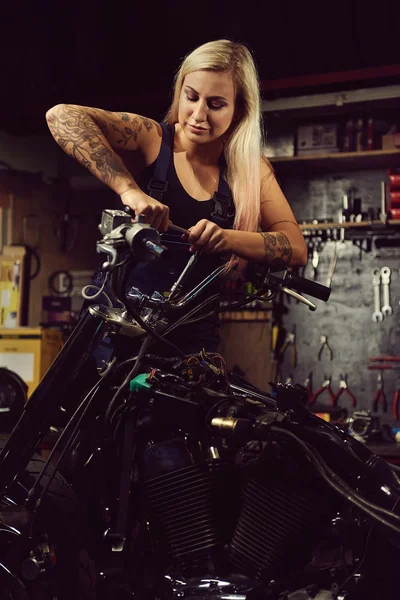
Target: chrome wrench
(385, 275)
(377, 315)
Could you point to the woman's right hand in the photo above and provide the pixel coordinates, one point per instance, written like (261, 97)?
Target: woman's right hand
(156, 214)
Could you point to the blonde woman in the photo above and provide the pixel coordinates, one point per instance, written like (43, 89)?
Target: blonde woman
(213, 132)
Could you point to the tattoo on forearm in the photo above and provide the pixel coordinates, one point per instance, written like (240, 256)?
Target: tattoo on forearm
(278, 250)
(78, 135)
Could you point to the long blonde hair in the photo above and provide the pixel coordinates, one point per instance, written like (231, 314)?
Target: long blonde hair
(243, 145)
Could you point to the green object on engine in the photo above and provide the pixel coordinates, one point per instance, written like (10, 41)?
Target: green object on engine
(140, 383)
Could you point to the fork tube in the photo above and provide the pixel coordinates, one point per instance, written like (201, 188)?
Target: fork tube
(45, 401)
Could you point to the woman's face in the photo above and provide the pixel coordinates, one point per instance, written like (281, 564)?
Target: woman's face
(206, 105)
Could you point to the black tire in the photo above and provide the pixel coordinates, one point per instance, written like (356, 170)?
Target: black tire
(63, 520)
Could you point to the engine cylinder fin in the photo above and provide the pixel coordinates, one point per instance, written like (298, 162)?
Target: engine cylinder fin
(274, 518)
(189, 505)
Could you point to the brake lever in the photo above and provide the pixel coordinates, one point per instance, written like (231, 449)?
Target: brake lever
(299, 297)
(111, 251)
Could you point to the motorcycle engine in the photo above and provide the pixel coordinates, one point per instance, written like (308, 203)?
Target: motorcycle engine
(247, 521)
(193, 500)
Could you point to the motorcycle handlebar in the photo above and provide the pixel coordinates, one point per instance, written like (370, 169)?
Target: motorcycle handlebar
(308, 287)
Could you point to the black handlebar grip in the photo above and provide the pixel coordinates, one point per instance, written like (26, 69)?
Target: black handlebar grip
(310, 288)
(129, 211)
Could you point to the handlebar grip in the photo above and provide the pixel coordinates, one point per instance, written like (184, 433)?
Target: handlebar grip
(305, 286)
(129, 211)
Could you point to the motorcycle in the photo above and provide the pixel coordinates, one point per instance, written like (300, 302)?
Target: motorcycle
(171, 478)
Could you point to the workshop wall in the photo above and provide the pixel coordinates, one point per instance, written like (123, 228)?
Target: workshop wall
(346, 319)
(62, 235)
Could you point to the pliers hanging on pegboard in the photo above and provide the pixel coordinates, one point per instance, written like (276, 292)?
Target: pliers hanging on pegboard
(290, 341)
(324, 344)
(380, 396)
(326, 385)
(343, 387)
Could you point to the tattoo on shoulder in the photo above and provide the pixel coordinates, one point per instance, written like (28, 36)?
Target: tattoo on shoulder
(278, 250)
(130, 129)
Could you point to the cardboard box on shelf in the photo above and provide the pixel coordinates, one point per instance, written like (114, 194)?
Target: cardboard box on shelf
(391, 141)
(322, 137)
(29, 352)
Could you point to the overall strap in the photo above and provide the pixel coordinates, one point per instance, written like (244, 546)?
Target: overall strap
(224, 208)
(158, 184)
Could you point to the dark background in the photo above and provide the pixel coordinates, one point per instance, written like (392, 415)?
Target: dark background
(123, 57)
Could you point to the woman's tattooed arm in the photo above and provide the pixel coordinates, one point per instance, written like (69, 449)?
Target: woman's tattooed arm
(87, 134)
(278, 250)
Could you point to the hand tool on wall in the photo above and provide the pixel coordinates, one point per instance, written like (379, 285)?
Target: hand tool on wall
(377, 315)
(326, 386)
(324, 344)
(385, 275)
(332, 265)
(380, 396)
(315, 262)
(344, 388)
(290, 341)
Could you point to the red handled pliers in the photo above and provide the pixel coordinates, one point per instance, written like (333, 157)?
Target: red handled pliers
(379, 396)
(326, 385)
(343, 387)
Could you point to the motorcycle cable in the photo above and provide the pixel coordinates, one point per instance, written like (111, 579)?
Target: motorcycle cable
(338, 484)
(153, 333)
(132, 373)
(191, 312)
(249, 298)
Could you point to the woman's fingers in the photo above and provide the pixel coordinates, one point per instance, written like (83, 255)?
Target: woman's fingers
(155, 213)
(207, 236)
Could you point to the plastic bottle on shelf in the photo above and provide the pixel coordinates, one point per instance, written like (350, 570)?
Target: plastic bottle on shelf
(348, 133)
(359, 135)
(370, 134)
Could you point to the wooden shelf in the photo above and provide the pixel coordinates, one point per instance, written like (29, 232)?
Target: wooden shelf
(341, 161)
(373, 225)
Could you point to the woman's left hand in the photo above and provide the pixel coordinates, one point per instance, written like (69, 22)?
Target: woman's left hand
(207, 236)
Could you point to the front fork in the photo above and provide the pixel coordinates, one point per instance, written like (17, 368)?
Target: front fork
(45, 402)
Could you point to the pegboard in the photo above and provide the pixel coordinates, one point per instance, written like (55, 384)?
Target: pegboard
(346, 319)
